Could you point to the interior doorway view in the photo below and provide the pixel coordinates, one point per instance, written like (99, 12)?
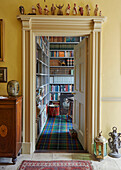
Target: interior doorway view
(61, 88)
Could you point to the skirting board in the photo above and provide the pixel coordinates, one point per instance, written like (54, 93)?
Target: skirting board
(114, 99)
(26, 148)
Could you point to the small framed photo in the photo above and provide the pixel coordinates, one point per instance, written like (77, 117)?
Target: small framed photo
(1, 40)
(3, 74)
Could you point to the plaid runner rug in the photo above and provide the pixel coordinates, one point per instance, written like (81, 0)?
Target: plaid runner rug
(55, 135)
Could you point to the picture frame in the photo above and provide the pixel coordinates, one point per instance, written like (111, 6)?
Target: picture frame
(3, 74)
(1, 40)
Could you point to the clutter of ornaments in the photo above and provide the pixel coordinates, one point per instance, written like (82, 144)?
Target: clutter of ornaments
(53, 8)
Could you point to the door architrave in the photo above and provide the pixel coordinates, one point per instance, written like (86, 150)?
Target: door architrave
(60, 26)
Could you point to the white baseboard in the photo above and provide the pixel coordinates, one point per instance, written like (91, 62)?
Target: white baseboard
(114, 99)
(26, 148)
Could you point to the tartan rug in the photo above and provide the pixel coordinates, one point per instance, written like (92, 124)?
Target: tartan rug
(55, 135)
(56, 165)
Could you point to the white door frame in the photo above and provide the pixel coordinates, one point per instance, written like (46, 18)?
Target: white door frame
(60, 26)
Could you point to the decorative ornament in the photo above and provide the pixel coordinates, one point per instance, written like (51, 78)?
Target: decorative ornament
(3, 130)
(21, 9)
(13, 88)
(81, 10)
(60, 12)
(53, 8)
(100, 13)
(46, 11)
(75, 9)
(68, 9)
(88, 10)
(33, 10)
(100, 147)
(39, 8)
(96, 10)
(114, 143)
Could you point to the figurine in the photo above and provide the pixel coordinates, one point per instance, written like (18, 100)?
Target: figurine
(114, 143)
(81, 10)
(46, 11)
(39, 9)
(68, 10)
(33, 10)
(21, 9)
(88, 10)
(100, 13)
(60, 12)
(74, 9)
(96, 10)
(53, 8)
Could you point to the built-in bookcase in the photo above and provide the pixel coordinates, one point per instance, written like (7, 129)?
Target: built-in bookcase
(42, 82)
(61, 66)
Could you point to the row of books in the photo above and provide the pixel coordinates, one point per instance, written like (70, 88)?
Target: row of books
(62, 46)
(61, 70)
(61, 54)
(42, 40)
(64, 39)
(42, 44)
(61, 88)
(62, 80)
(40, 80)
(54, 96)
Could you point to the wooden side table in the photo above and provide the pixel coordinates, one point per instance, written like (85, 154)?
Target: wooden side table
(10, 127)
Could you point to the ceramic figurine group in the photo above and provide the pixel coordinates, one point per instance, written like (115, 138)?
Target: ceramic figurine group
(60, 12)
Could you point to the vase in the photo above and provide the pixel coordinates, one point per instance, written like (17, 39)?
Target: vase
(13, 88)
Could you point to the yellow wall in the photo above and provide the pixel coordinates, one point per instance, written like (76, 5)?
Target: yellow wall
(111, 50)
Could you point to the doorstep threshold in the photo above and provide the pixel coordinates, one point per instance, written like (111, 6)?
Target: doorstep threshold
(60, 151)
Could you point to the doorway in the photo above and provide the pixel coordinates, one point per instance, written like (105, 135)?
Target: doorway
(61, 26)
(57, 127)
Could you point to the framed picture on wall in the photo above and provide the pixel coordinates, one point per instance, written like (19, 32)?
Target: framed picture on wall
(3, 74)
(1, 40)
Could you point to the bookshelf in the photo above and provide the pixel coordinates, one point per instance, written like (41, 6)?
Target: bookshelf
(61, 66)
(42, 82)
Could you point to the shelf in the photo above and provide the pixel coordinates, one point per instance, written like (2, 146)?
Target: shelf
(62, 50)
(42, 108)
(42, 62)
(54, 101)
(60, 57)
(60, 83)
(42, 86)
(40, 74)
(62, 92)
(60, 66)
(64, 42)
(67, 75)
(40, 48)
(44, 96)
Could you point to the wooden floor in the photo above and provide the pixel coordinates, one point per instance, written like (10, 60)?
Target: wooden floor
(108, 164)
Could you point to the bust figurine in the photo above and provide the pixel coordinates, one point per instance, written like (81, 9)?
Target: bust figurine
(53, 8)
(21, 9)
(33, 10)
(68, 9)
(39, 8)
(88, 10)
(74, 9)
(60, 12)
(81, 10)
(96, 10)
(46, 11)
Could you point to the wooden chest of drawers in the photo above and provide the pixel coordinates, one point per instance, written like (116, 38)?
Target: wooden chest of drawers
(10, 127)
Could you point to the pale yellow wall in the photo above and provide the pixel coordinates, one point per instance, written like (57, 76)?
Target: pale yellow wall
(111, 53)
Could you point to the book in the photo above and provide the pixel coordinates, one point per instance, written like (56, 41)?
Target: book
(61, 54)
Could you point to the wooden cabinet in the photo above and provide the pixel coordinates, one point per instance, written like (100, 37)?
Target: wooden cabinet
(10, 127)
